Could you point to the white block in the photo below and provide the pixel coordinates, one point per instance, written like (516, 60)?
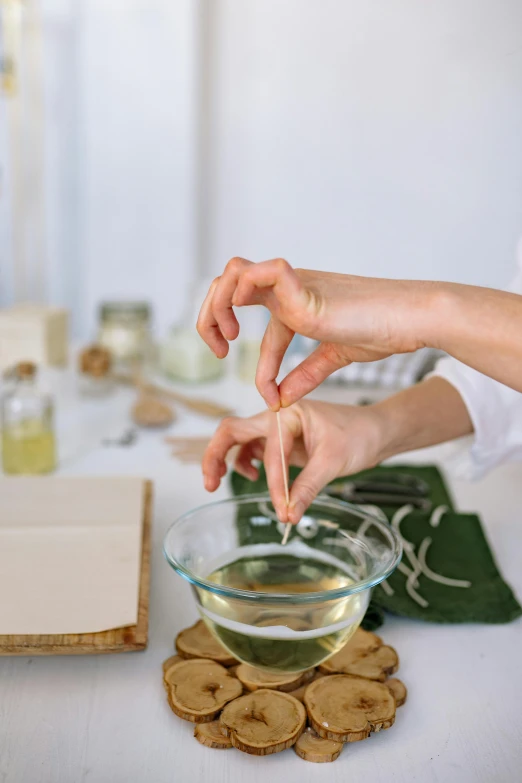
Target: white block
(33, 332)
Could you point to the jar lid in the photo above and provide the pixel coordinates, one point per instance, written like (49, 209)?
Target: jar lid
(123, 309)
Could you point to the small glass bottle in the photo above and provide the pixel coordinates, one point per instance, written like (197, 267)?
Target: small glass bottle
(28, 443)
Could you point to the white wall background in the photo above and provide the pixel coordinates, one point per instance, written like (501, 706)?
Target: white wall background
(380, 138)
(370, 137)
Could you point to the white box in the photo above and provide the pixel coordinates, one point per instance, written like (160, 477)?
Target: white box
(33, 332)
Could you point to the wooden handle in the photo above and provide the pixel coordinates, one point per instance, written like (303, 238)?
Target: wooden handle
(204, 407)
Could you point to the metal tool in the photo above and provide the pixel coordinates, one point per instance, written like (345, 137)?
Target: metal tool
(389, 484)
(378, 498)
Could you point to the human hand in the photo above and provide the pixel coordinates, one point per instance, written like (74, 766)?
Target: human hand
(356, 319)
(326, 440)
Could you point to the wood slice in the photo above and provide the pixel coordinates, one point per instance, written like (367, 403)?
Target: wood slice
(253, 679)
(364, 655)
(399, 690)
(210, 735)
(264, 722)
(170, 661)
(300, 692)
(198, 689)
(198, 642)
(311, 747)
(348, 709)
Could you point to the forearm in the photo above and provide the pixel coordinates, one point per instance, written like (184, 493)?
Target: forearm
(480, 327)
(426, 414)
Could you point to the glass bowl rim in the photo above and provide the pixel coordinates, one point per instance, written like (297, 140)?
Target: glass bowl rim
(322, 596)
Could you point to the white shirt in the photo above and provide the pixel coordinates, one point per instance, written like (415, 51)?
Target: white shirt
(495, 410)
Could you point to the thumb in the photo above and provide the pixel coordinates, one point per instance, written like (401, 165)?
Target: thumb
(314, 476)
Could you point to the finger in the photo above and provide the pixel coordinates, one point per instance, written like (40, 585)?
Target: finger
(283, 282)
(243, 463)
(307, 485)
(230, 432)
(275, 470)
(275, 341)
(222, 301)
(207, 326)
(307, 376)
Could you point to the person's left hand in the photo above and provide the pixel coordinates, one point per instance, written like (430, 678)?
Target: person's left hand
(326, 440)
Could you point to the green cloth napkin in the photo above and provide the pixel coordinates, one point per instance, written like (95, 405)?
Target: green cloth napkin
(457, 548)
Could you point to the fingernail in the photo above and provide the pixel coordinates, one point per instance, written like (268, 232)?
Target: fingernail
(296, 511)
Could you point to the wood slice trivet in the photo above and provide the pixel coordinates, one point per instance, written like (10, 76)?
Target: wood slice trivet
(339, 703)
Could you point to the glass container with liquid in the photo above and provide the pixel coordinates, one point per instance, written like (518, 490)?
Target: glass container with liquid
(125, 331)
(28, 442)
(281, 608)
(184, 356)
(94, 371)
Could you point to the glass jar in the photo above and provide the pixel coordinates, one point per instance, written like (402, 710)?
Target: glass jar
(125, 331)
(253, 322)
(184, 356)
(94, 368)
(28, 442)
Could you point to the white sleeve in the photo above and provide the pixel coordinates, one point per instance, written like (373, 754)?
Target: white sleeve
(495, 410)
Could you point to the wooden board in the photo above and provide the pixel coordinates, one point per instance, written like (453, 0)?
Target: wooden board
(133, 637)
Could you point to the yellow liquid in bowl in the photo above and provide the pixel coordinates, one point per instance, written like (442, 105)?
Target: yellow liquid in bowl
(284, 637)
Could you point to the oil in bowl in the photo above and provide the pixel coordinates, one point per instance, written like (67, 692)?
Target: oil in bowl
(289, 637)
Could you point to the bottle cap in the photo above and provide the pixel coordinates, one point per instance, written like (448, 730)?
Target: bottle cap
(20, 371)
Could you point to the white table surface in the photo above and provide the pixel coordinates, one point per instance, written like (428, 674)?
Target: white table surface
(105, 719)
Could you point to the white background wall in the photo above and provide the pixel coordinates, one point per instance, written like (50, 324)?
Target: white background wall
(380, 138)
(377, 138)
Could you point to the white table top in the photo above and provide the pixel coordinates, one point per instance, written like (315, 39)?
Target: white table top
(104, 719)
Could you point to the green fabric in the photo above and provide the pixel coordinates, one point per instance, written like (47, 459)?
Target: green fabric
(439, 492)
(458, 550)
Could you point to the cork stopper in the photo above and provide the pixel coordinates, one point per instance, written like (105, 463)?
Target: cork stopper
(20, 372)
(95, 361)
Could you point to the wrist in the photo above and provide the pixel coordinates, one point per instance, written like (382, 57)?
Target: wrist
(441, 309)
(386, 431)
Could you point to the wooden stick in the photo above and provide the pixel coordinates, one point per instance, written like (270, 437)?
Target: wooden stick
(285, 477)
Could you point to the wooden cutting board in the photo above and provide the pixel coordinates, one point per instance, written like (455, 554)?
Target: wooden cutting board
(133, 637)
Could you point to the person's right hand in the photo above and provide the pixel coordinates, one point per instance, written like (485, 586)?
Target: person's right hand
(326, 440)
(355, 319)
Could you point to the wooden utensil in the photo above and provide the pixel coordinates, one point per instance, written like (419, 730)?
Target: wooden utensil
(197, 404)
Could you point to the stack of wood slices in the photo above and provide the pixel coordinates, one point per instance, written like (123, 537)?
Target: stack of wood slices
(316, 712)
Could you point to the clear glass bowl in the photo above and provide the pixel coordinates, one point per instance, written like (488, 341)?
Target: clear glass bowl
(283, 609)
